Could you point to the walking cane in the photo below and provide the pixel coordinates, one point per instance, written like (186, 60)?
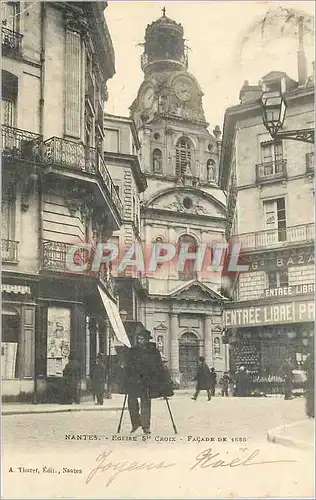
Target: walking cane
(122, 413)
(169, 409)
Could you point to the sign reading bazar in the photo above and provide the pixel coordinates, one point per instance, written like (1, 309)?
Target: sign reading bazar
(291, 312)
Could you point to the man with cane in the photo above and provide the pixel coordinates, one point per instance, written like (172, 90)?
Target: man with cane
(145, 379)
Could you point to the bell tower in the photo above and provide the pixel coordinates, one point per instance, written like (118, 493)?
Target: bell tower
(164, 48)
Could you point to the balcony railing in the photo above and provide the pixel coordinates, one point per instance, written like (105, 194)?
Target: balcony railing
(276, 237)
(11, 41)
(55, 259)
(20, 145)
(9, 250)
(272, 170)
(145, 60)
(89, 88)
(310, 162)
(70, 154)
(110, 185)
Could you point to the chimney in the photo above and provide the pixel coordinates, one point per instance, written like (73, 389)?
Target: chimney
(301, 57)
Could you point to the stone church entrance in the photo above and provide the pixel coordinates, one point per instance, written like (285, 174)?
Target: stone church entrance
(188, 359)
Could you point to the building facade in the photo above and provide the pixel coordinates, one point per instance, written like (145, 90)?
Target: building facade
(182, 205)
(122, 156)
(56, 190)
(270, 204)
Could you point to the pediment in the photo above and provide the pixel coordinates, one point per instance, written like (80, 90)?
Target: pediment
(187, 200)
(196, 291)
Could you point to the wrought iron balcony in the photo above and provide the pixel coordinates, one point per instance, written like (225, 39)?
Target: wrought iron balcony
(310, 162)
(276, 237)
(9, 250)
(55, 259)
(70, 154)
(89, 88)
(11, 42)
(271, 171)
(63, 153)
(20, 145)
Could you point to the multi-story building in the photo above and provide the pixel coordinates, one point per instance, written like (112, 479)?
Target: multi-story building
(122, 155)
(270, 196)
(182, 205)
(57, 190)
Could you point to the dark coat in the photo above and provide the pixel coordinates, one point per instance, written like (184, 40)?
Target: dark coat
(98, 378)
(71, 374)
(145, 374)
(213, 378)
(203, 377)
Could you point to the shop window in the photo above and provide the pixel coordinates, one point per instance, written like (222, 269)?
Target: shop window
(188, 272)
(183, 156)
(157, 161)
(278, 279)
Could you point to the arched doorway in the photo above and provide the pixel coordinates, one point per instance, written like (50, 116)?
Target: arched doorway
(188, 358)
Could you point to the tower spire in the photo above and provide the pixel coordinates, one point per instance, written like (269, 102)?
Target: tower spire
(164, 12)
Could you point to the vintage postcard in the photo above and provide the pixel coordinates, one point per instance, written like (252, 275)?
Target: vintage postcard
(158, 264)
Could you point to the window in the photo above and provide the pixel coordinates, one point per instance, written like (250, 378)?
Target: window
(157, 161)
(9, 245)
(183, 156)
(111, 140)
(9, 95)
(275, 217)
(272, 156)
(10, 15)
(278, 279)
(188, 272)
(210, 166)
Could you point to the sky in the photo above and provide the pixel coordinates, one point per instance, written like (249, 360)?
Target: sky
(228, 44)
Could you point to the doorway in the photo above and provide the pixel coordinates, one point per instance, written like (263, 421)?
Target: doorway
(188, 358)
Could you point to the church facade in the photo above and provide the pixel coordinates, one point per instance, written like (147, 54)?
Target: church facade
(182, 205)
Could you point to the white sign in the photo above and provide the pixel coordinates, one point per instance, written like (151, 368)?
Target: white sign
(58, 340)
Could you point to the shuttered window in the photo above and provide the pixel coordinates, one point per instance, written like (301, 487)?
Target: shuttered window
(183, 156)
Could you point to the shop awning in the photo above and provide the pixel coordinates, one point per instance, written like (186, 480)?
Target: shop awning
(23, 289)
(114, 318)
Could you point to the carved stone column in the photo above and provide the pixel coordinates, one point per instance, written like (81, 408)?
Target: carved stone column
(174, 348)
(208, 343)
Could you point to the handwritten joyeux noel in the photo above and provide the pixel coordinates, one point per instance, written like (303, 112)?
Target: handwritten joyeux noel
(208, 458)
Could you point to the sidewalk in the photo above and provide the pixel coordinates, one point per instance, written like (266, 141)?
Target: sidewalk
(87, 404)
(299, 434)
(113, 404)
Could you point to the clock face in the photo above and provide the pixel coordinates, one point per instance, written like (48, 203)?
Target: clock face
(183, 89)
(148, 98)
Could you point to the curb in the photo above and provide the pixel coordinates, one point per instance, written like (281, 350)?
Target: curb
(62, 410)
(274, 437)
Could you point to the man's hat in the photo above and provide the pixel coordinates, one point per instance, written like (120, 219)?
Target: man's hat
(144, 333)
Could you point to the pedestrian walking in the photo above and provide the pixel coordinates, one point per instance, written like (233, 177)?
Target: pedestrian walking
(98, 379)
(224, 382)
(213, 378)
(241, 382)
(203, 379)
(145, 379)
(71, 381)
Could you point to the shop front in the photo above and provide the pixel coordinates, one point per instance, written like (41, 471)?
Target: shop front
(264, 338)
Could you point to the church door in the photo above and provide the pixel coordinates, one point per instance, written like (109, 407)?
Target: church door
(188, 358)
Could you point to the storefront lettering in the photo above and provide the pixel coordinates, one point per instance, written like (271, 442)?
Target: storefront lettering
(290, 290)
(292, 260)
(291, 312)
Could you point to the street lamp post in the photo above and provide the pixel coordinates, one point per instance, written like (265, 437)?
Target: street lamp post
(273, 108)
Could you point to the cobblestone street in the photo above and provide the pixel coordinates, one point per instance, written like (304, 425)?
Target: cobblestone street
(75, 440)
